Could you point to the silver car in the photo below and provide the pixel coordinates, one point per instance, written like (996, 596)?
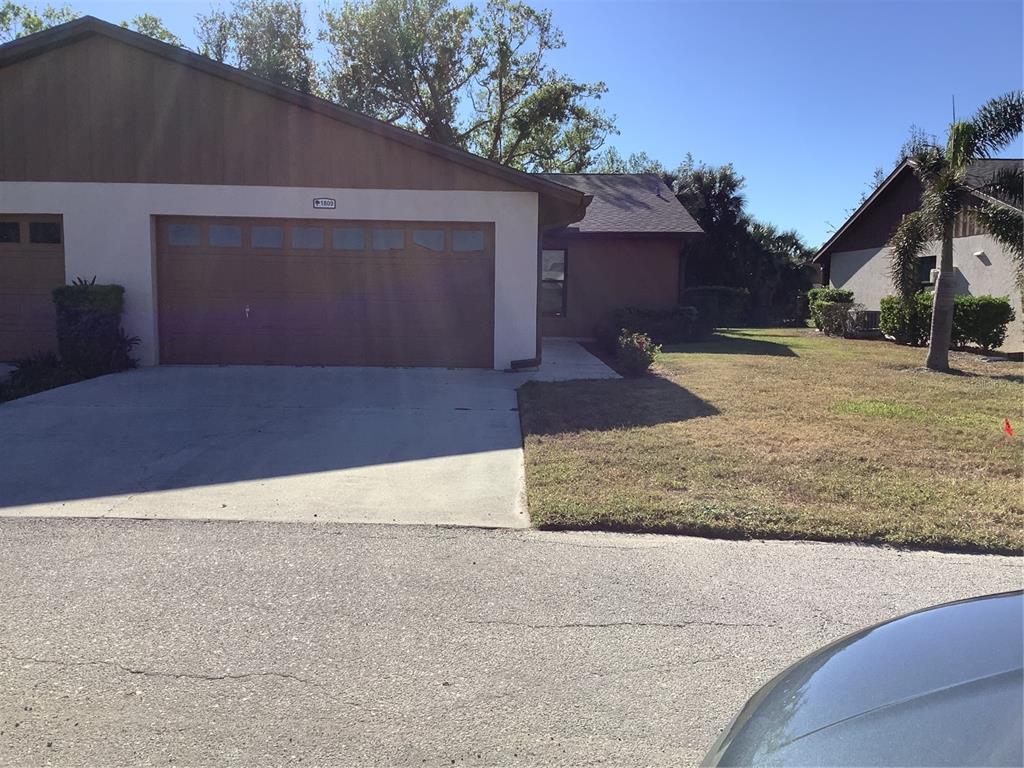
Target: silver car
(938, 687)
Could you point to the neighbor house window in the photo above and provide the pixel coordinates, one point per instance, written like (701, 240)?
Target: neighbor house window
(552, 283)
(307, 237)
(225, 235)
(10, 232)
(388, 239)
(267, 237)
(925, 265)
(348, 239)
(44, 232)
(183, 234)
(431, 239)
(464, 240)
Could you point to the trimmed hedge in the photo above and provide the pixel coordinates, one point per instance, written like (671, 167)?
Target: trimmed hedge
(665, 326)
(832, 316)
(816, 296)
(718, 306)
(90, 341)
(977, 320)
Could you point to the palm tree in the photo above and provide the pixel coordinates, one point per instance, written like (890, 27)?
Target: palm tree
(945, 190)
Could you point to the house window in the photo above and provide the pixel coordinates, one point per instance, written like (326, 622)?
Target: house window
(10, 232)
(44, 232)
(925, 265)
(552, 283)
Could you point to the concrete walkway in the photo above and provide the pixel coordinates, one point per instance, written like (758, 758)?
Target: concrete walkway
(381, 445)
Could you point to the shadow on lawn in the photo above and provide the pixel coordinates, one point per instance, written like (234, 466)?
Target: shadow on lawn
(734, 343)
(552, 408)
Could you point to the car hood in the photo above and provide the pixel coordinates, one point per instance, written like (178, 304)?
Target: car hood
(906, 691)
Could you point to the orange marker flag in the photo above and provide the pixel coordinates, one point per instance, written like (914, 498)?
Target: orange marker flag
(1007, 428)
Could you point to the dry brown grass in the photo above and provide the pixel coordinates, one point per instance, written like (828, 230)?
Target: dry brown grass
(785, 434)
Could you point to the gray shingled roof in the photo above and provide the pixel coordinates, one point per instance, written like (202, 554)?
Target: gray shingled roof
(627, 203)
(982, 172)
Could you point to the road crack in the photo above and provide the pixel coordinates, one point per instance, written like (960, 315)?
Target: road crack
(613, 624)
(159, 673)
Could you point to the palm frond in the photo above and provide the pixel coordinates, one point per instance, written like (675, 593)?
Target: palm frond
(1006, 225)
(943, 198)
(928, 162)
(905, 246)
(963, 146)
(1007, 184)
(998, 122)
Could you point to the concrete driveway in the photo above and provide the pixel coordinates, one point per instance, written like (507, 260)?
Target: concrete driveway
(383, 445)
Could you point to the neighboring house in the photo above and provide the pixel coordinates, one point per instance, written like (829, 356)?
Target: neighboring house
(628, 250)
(856, 256)
(250, 223)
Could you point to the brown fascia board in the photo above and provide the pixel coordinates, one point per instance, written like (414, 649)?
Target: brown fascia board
(825, 249)
(78, 29)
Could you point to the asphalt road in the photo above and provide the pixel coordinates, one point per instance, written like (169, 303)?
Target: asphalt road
(188, 643)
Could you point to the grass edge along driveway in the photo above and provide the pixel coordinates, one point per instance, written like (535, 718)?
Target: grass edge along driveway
(784, 434)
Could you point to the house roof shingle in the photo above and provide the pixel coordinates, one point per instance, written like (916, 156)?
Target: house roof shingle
(627, 203)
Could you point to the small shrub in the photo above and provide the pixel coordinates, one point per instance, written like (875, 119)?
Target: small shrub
(665, 326)
(907, 321)
(36, 374)
(977, 320)
(89, 335)
(636, 353)
(817, 295)
(833, 316)
(981, 320)
(718, 306)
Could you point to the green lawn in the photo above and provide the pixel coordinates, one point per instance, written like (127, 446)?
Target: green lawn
(785, 434)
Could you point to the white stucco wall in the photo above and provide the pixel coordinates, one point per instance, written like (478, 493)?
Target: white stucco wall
(108, 232)
(866, 273)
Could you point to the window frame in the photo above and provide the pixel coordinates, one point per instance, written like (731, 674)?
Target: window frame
(926, 283)
(565, 281)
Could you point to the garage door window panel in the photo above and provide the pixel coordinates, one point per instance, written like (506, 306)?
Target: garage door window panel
(348, 239)
(10, 232)
(429, 239)
(389, 239)
(267, 237)
(308, 238)
(183, 235)
(44, 232)
(468, 240)
(225, 236)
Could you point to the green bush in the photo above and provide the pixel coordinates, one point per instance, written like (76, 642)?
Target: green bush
(977, 320)
(36, 374)
(832, 316)
(834, 295)
(981, 320)
(636, 353)
(908, 322)
(718, 306)
(90, 340)
(665, 326)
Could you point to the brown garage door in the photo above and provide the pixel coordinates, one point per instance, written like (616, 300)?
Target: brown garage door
(31, 266)
(316, 292)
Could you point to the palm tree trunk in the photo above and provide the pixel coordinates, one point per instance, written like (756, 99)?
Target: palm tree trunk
(942, 306)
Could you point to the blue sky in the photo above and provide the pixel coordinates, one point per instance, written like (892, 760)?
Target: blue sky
(805, 97)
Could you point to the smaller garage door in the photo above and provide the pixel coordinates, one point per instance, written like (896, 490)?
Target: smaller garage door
(31, 266)
(325, 292)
